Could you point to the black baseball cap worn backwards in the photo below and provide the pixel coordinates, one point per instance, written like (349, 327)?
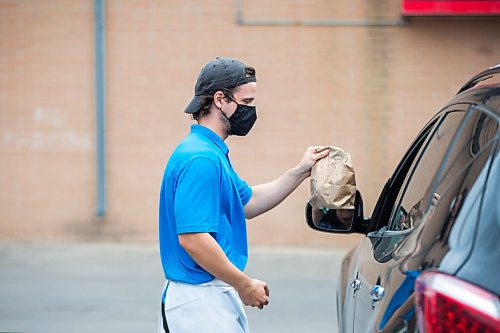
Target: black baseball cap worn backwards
(219, 74)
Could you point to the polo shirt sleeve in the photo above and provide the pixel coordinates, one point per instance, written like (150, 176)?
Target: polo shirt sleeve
(197, 197)
(244, 190)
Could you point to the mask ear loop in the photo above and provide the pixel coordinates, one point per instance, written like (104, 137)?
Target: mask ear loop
(229, 121)
(223, 113)
(227, 95)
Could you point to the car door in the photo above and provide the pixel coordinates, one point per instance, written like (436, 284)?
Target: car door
(350, 282)
(383, 286)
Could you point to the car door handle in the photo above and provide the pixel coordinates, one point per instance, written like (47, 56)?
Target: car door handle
(377, 293)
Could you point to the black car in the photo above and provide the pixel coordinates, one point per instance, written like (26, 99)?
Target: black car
(430, 258)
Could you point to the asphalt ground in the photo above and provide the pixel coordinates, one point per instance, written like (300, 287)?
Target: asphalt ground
(116, 287)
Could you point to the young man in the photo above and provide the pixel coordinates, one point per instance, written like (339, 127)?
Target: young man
(204, 205)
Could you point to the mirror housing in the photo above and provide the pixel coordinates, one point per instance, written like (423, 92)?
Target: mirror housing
(339, 221)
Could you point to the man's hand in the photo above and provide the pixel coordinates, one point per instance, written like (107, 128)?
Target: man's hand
(311, 156)
(254, 293)
(203, 248)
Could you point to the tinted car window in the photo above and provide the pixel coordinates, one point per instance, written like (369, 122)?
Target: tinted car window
(474, 254)
(473, 142)
(452, 204)
(425, 167)
(465, 160)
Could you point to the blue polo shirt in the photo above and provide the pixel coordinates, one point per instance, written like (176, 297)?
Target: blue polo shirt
(201, 192)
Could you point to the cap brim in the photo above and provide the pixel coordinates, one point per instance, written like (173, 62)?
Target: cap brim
(195, 105)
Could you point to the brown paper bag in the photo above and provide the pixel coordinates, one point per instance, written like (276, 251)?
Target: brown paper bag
(333, 184)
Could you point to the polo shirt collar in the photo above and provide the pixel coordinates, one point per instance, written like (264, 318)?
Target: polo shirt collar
(195, 128)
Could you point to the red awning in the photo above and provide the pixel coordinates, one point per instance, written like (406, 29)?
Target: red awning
(450, 8)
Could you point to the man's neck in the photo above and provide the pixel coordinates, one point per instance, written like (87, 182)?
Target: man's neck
(221, 132)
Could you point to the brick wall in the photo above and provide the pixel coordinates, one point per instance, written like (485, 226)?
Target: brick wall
(366, 89)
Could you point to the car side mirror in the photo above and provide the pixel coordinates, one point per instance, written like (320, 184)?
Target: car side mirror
(341, 221)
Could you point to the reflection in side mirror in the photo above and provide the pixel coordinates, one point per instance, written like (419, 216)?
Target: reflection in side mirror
(330, 220)
(338, 220)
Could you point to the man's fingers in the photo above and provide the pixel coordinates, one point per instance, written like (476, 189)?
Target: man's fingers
(320, 152)
(325, 153)
(320, 149)
(263, 303)
(320, 155)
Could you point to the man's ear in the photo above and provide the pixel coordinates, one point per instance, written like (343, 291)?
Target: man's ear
(218, 97)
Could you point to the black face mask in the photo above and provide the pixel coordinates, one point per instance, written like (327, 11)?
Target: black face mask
(242, 119)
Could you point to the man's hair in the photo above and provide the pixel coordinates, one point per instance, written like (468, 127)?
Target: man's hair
(207, 101)
(205, 107)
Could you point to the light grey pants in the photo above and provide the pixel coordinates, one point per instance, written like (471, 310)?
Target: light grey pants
(212, 307)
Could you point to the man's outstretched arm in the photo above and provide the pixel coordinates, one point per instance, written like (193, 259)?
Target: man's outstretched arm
(269, 195)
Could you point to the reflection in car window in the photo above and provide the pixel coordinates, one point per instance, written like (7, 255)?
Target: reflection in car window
(466, 159)
(409, 209)
(484, 131)
(477, 135)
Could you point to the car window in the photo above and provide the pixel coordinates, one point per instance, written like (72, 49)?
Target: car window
(462, 166)
(409, 203)
(453, 201)
(476, 136)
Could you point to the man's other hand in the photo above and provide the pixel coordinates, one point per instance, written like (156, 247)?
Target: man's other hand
(254, 293)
